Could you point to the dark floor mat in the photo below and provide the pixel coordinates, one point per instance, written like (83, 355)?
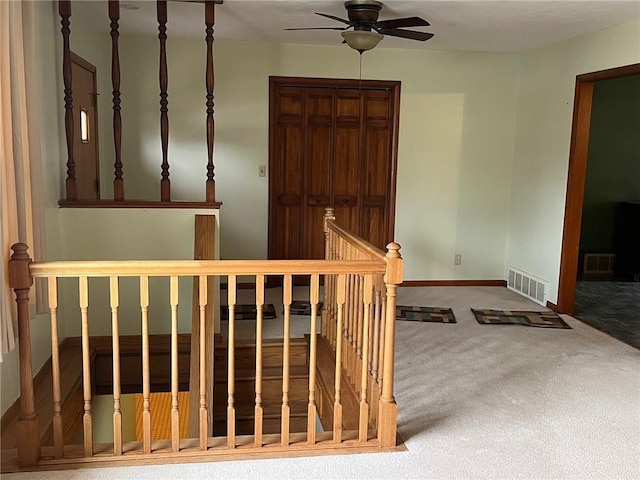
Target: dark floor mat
(425, 314)
(248, 312)
(547, 319)
(302, 307)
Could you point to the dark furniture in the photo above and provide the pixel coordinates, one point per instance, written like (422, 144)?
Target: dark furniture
(627, 240)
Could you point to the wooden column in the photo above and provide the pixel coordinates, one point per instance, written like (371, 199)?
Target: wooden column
(388, 410)
(64, 9)
(203, 249)
(209, 13)
(118, 182)
(165, 183)
(20, 281)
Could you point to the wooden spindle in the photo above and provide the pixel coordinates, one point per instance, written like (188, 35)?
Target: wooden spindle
(165, 183)
(328, 279)
(383, 321)
(286, 409)
(375, 352)
(337, 403)
(20, 280)
(357, 340)
(257, 429)
(363, 427)
(64, 9)
(388, 410)
(58, 433)
(347, 323)
(203, 415)
(312, 408)
(87, 422)
(114, 297)
(209, 15)
(118, 181)
(175, 411)
(231, 368)
(146, 378)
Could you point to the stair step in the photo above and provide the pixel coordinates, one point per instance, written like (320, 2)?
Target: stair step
(297, 408)
(268, 373)
(272, 352)
(269, 426)
(70, 384)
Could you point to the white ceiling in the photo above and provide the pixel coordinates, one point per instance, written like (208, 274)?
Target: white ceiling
(498, 26)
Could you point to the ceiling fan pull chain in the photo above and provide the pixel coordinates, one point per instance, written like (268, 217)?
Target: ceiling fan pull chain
(360, 77)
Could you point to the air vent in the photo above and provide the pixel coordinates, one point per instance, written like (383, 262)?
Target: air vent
(599, 264)
(528, 285)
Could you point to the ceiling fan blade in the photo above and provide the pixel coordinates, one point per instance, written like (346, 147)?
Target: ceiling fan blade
(319, 28)
(402, 22)
(410, 34)
(332, 17)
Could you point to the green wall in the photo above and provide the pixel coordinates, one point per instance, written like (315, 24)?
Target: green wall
(613, 167)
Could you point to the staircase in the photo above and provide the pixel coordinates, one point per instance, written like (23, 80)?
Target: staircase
(245, 361)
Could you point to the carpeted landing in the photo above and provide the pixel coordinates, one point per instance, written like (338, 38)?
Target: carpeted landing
(474, 401)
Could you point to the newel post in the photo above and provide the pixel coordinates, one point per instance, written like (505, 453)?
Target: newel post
(388, 410)
(20, 280)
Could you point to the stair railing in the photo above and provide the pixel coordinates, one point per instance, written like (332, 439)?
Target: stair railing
(360, 285)
(359, 323)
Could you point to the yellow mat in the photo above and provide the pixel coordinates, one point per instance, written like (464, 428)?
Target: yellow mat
(160, 406)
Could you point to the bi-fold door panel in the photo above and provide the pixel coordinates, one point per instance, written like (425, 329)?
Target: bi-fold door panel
(287, 174)
(376, 168)
(319, 122)
(346, 168)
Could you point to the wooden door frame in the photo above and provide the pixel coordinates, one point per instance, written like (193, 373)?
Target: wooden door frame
(82, 63)
(576, 180)
(392, 85)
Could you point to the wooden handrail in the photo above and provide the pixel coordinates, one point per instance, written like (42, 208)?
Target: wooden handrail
(357, 242)
(155, 268)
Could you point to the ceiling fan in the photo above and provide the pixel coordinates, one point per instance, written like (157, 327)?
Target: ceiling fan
(367, 30)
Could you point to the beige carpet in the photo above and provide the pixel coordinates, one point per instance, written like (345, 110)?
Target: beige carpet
(476, 402)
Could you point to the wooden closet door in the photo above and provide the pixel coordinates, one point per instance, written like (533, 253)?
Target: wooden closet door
(286, 215)
(333, 144)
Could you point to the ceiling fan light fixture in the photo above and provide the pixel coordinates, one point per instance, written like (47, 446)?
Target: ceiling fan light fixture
(362, 40)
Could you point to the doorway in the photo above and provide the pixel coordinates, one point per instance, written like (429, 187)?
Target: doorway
(85, 137)
(332, 143)
(576, 180)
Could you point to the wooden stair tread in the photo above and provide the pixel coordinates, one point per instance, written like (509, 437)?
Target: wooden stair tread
(270, 410)
(70, 380)
(268, 373)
